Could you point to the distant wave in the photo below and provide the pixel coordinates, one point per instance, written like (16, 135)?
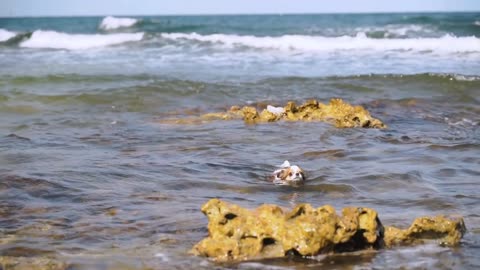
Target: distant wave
(6, 35)
(395, 30)
(477, 23)
(445, 44)
(56, 40)
(110, 23)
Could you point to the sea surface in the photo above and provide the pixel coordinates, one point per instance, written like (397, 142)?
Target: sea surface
(91, 176)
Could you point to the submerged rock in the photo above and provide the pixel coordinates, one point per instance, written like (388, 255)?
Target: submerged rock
(236, 233)
(31, 263)
(441, 229)
(338, 112)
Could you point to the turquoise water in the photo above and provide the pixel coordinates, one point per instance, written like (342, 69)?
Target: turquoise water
(91, 176)
(420, 24)
(231, 46)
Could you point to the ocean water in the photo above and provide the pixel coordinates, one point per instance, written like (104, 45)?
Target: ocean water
(91, 176)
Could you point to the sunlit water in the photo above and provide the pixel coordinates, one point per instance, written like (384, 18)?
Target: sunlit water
(91, 176)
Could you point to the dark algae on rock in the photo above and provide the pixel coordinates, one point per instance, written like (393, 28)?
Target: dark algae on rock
(237, 234)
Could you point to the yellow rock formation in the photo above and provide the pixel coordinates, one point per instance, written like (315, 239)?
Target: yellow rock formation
(236, 233)
(337, 112)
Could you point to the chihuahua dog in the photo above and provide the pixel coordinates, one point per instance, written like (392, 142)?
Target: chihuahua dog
(287, 175)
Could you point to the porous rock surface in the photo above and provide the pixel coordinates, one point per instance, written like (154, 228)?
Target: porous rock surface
(337, 112)
(236, 233)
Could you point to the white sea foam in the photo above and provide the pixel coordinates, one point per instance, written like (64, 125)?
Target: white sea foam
(110, 23)
(6, 35)
(162, 256)
(56, 40)
(465, 78)
(395, 30)
(404, 30)
(276, 110)
(477, 23)
(445, 44)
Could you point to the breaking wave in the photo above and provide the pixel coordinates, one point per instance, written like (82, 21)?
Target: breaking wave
(56, 40)
(398, 31)
(6, 35)
(445, 44)
(110, 23)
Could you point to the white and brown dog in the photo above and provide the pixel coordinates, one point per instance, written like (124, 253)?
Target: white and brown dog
(287, 175)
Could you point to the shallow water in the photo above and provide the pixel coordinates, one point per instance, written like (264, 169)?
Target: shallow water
(91, 176)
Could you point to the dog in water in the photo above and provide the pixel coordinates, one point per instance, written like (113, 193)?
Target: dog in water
(287, 175)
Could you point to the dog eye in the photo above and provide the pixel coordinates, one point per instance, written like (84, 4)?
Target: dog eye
(290, 174)
(297, 174)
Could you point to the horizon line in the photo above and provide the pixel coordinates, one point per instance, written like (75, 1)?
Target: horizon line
(242, 14)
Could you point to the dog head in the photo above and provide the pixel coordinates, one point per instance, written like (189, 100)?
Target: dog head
(288, 174)
(292, 173)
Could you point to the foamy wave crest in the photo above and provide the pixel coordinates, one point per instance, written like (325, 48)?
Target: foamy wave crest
(396, 30)
(477, 23)
(55, 40)
(110, 23)
(445, 44)
(6, 35)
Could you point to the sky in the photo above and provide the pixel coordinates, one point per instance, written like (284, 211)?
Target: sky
(19, 8)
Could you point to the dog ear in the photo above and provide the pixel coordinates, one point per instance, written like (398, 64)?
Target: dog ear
(282, 174)
(285, 164)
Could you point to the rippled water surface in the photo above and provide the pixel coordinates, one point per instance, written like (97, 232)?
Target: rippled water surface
(91, 176)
